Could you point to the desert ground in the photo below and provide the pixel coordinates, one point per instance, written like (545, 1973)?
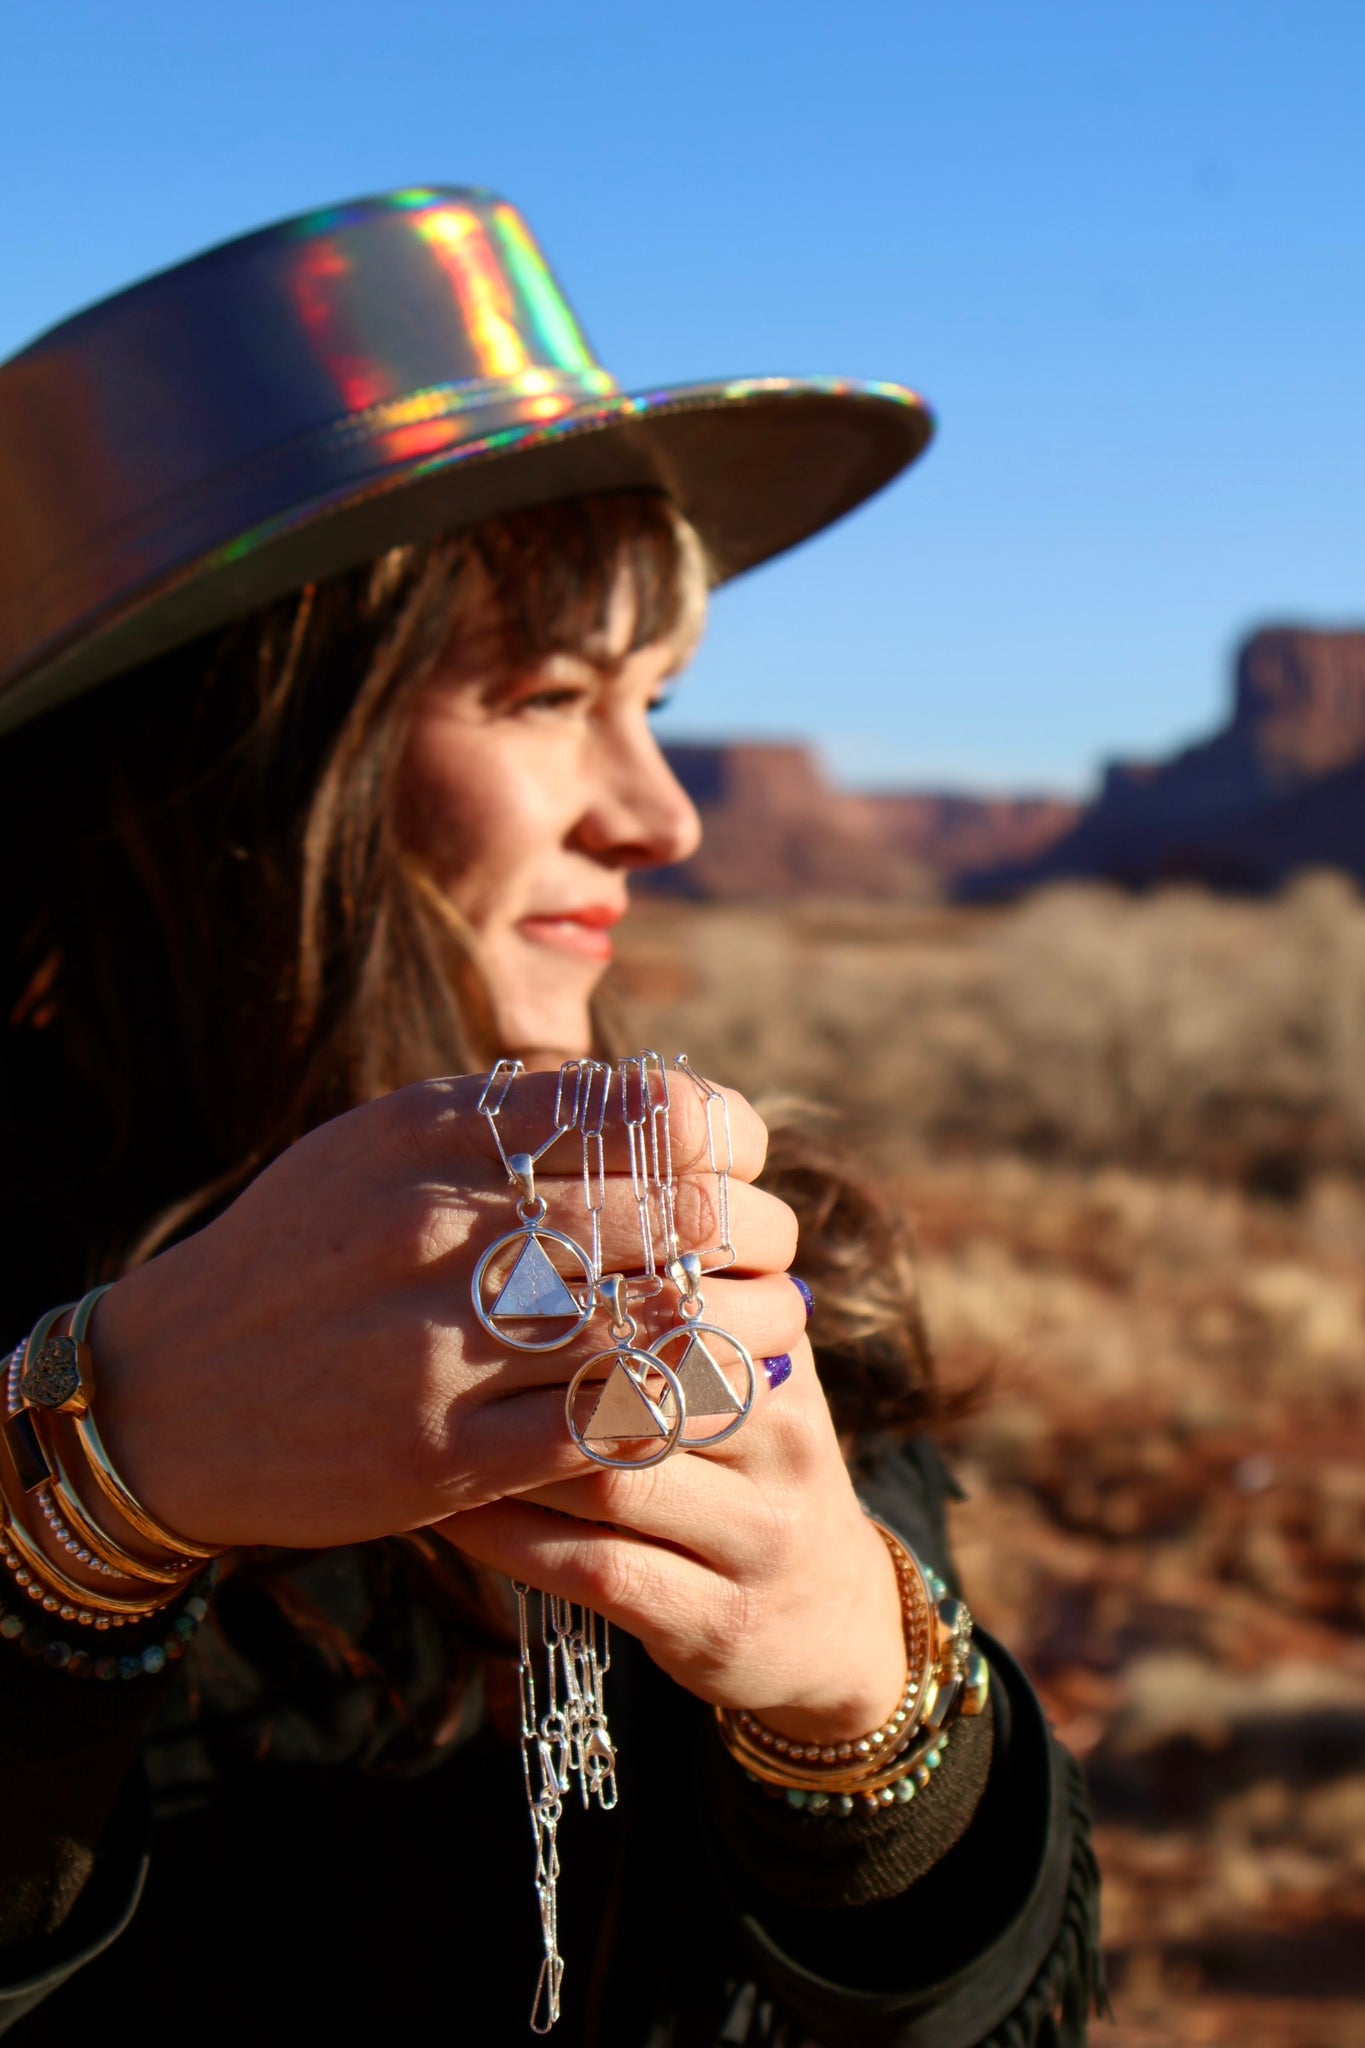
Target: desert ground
(1131, 1133)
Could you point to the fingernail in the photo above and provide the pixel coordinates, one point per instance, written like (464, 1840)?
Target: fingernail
(799, 1284)
(777, 1369)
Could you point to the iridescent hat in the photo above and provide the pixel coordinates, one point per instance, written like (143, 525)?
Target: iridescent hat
(292, 403)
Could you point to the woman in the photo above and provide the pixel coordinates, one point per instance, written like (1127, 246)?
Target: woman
(339, 589)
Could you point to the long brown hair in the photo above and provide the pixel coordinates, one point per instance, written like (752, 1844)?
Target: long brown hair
(212, 938)
(212, 935)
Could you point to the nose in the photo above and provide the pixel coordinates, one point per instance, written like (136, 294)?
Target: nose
(639, 815)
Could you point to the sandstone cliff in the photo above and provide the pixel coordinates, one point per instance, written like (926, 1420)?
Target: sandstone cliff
(1280, 787)
(778, 829)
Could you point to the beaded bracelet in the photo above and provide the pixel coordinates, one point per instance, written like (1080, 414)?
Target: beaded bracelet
(946, 1676)
(846, 1766)
(19, 1627)
(914, 1776)
(49, 1586)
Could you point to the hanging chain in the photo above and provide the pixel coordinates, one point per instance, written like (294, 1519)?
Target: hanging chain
(649, 1144)
(570, 1741)
(541, 1774)
(495, 1089)
(720, 1154)
(597, 1074)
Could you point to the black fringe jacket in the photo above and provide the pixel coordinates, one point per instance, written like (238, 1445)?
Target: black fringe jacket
(215, 1857)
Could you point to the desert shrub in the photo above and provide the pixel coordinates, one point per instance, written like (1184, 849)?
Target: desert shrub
(1172, 1029)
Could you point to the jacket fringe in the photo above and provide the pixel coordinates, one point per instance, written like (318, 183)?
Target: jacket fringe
(1056, 2009)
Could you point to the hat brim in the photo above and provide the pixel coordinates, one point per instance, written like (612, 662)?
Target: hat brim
(757, 466)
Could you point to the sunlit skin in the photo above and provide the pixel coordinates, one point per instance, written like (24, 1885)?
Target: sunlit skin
(306, 1370)
(533, 800)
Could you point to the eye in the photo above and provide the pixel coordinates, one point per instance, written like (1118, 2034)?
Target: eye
(553, 697)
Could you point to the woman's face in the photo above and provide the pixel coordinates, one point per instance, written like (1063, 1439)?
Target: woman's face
(532, 799)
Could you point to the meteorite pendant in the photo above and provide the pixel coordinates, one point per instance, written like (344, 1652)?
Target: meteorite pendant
(56, 1375)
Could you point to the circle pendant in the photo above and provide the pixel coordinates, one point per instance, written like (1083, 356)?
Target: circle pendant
(625, 1410)
(527, 1289)
(705, 1378)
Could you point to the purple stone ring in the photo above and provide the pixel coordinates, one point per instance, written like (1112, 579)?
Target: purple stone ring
(777, 1369)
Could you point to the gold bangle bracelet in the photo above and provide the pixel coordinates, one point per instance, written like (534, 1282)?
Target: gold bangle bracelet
(947, 1677)
(790, 1767)
(105, 1474)
(911, 1760)
(50, 1588)
(821, 1763)
(97, 1541)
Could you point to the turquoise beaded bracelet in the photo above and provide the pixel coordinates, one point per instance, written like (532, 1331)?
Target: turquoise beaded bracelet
(920, 1765)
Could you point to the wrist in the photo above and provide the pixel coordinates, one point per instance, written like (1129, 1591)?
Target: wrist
(890, 1762)
(63, 1545)
(62, 1552)
(863, 1679)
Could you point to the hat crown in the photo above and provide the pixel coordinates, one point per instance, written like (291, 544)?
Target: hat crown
(291, 403)
(391, 315)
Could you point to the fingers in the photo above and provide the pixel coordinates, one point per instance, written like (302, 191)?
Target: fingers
(763, 1234)
(631, 1582)
(758, 1313)
(517, 1443)
(762, 1228)
(439, 1123)
(699, 1507)
(764, 1315)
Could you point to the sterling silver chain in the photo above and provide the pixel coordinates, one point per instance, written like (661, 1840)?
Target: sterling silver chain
(564, 1736)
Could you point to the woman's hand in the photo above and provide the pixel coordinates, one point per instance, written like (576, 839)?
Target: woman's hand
(307, 1370)
(750, 1573)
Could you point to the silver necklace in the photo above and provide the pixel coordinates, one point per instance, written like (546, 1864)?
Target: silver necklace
(517, 1290)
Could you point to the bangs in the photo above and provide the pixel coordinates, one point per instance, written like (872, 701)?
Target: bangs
(597, 577)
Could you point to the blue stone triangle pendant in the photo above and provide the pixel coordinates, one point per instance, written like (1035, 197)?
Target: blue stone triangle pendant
(533, 1288)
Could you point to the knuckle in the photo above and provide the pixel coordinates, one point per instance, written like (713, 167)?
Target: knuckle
(434, 1446)
(408, 1118)
(697, 1211)
(616, 1578)
(409, 1231)
(428, 1125)
(687, 1127)
(625, 1496)
(797, 1434)
(705, 1128)
(727, 1621)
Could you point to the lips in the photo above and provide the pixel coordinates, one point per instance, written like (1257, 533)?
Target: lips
(585, 933)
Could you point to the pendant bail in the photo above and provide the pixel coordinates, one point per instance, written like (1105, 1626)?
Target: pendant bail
(522, 1168)
(686, 1274)
(612, 1289)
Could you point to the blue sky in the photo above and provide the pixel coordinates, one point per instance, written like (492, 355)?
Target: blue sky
(1118, 245)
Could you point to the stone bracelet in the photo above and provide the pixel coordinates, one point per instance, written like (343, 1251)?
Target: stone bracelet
(77, 1661)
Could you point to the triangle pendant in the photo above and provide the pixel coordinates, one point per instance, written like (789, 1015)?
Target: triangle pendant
(533, 1288)
(623, 1410)
(705, 1387)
